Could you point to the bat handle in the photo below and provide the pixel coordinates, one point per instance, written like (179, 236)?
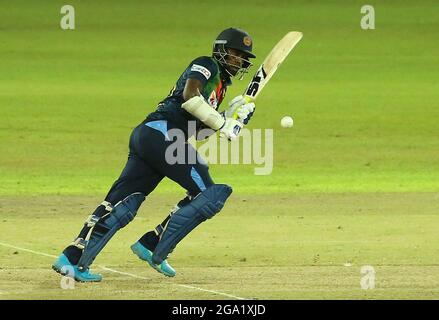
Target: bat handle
(248, 99)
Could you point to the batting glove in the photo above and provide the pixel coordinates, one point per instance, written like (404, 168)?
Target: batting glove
(239, 109)
(231, 128)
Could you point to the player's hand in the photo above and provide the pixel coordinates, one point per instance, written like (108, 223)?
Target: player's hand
(240, 109)
(245, 112)
(234, 104)
(231, 128)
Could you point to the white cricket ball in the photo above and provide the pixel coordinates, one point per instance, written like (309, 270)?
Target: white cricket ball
(287, 122)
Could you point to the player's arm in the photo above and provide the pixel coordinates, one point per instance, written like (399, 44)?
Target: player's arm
(192, 88)
(201, 71)
(198, 107)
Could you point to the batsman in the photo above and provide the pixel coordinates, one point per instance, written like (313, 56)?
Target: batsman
(191, 106)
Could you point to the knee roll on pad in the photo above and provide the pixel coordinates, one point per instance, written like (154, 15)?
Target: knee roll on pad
(105, 227)
(204, 206)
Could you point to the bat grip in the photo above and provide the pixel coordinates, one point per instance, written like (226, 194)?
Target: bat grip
(248, 99)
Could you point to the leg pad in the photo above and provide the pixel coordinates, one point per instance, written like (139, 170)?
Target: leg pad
(104, 228)
(204, 206)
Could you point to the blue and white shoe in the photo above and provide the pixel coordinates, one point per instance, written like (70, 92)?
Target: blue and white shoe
(146, 255)
(63, 266)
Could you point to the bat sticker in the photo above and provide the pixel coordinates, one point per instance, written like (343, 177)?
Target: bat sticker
(257, 79)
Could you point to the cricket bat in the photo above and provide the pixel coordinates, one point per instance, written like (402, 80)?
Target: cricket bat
(270, 64)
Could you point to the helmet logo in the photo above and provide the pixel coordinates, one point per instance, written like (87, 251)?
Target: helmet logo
(247, 41)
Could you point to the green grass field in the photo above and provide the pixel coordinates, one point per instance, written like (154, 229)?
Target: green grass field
(355, 181)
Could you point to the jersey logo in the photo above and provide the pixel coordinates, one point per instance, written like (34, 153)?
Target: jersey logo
(213, 101)
(217, 96)
(204, 71)
(220, 92)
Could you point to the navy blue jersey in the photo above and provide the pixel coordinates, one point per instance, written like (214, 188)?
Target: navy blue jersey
(215, 81)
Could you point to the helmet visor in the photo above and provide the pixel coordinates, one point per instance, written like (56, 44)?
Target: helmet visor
(235, 62)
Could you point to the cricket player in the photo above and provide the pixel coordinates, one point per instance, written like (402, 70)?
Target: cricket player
(191, 106)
